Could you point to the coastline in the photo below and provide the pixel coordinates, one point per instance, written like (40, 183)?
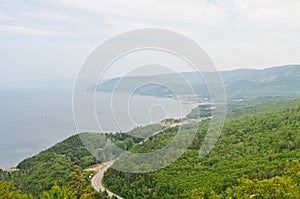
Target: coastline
(63, 133)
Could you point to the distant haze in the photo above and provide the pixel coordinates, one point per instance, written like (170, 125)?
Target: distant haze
(42, 40)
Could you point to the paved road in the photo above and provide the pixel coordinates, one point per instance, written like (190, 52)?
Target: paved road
(101, 169)
(98, 177)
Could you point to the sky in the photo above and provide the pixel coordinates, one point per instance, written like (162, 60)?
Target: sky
(43, 39)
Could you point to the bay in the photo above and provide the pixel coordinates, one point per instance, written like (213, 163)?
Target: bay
(33, 120)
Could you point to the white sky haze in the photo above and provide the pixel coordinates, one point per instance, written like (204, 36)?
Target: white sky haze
(51, 39)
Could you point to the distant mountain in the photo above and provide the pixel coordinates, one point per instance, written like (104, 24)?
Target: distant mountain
(239, 84)
(276, 81)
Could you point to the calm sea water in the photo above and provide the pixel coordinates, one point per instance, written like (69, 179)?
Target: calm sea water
(33, 120)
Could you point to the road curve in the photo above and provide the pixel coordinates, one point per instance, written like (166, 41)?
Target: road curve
(102, 168)
(98, 177)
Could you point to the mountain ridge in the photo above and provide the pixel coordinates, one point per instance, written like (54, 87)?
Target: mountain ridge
(274, 81)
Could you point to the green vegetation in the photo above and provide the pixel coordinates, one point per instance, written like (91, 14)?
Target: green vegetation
(146, 131)
(54, 166)
(285, 186)
(255, 144)
(253, 157)
(244, 84)
(8, 191)
(202, 111)
(77, 188)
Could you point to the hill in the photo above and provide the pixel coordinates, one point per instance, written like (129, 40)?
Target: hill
(258, 138)
(239, 84)
(56, 164)
(255, 143)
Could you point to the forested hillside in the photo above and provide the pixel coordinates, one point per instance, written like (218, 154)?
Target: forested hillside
(75, 188)
(55, 165)
(40, 172)
(255, 144)
(260, 138)
(239, 84)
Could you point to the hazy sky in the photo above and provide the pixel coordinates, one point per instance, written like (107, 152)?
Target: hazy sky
(43, 39)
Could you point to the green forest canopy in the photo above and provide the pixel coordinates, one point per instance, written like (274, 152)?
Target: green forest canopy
(258, 138)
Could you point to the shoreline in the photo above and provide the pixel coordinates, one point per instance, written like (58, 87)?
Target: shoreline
(183, 114)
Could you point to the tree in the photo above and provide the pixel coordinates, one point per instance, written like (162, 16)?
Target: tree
(8, 191)
(286, 186)
(78, 186)
(57, 192)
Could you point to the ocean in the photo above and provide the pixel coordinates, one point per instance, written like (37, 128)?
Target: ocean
(33, 120)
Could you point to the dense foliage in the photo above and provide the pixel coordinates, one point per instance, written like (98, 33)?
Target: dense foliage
(54, 165)
(258, 138)
(9, 191)
(255, 144)
(285, 186)
(77, 188)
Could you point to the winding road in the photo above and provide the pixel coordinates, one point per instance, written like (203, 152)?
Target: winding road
(98, 177)
(102, 168)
